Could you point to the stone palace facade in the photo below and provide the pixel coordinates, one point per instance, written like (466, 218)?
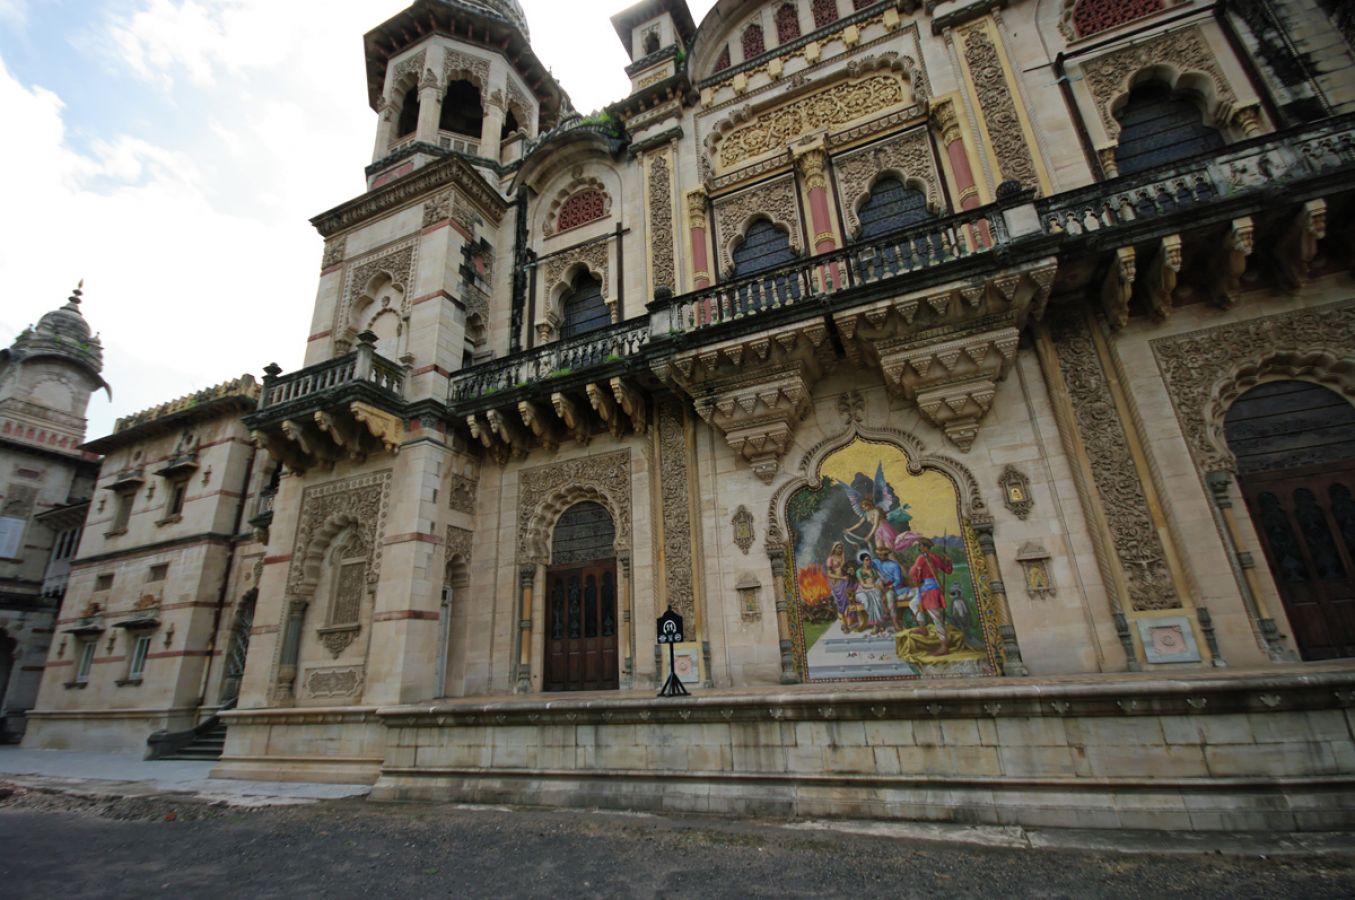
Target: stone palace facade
(975, 379)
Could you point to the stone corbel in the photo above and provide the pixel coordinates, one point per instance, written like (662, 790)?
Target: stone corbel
(342, 432)
(388, 429)
(758, 414)
(604, 404)
(1118, 288)
(1109, 166)
(283, 451)
(631, 401)
(574, 416)
(1231, 261)
(1297, 246)
(508, 432)
(538, 420)
(482, 433)
(1160, 281)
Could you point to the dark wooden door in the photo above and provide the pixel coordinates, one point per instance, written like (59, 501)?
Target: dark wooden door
(581, 627)
(1306, 520)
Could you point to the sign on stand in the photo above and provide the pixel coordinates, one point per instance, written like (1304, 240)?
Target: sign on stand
(670, 633)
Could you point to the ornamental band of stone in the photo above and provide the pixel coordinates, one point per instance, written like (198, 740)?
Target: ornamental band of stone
(999, 109)
(661, 223)
(677, 520)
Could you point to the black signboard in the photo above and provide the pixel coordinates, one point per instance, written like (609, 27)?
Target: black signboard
(670, 633)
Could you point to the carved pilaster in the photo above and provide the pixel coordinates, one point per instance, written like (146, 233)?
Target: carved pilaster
(1118, 287)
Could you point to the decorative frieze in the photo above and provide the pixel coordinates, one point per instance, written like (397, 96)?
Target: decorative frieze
(663, 266)
(1136, 543)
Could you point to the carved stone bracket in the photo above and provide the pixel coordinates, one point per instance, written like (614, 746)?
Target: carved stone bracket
(1231, 261)
(1160, 279)
(1297, 245)
(574, 417)
(1118, 287)
(383, 426)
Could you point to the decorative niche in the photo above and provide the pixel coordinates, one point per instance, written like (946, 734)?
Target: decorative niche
(1016, 492)
(1037, 575)
(749, 590)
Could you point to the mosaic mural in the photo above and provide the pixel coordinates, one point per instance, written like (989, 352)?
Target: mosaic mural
(884, 573)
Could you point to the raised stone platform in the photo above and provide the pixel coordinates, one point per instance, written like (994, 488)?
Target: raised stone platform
(1205, 751)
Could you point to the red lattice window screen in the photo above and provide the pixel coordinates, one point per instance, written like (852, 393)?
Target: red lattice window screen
(787, 24)
(825, 12)
(723, 62)
(1091, 16)
(753, 44)
(580, 209)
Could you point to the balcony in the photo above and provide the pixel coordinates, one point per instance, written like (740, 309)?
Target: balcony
(347, 407)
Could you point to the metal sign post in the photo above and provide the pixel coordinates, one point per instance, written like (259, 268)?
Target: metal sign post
(670, 633)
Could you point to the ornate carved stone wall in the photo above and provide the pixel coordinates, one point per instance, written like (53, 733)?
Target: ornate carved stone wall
(909, 153)
(458, 544)
(1005, 130)
(776, 200)
(1206, 370)
(462, 65)
(412, 66)
(400, 262)
(677, 520)
(360, 502)
(546, 491)
(1185, 50)
(595, 256)
(664, 272)
(1135, 539)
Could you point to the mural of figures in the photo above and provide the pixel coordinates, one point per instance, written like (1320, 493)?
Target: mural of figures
(884, 572)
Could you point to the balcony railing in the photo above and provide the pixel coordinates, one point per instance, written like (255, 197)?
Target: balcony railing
(363, 365)
(905, 252)
(613, 344)
(1253, 166)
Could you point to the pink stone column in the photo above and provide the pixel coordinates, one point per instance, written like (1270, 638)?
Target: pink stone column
(952, 138)
(813, 166)
(696, 233)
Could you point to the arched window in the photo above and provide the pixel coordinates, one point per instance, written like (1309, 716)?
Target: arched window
(409, 114)
(349, 563)
(1157, 128)
(510, 125)
(651, 41)
(722, 62)
(787, 23)
(1091, 16)
(764, 247)
(580, 209)
(825, 12)
(583, 308)
(753, 44)
(461, 109)
(584, 533)
(891, 206)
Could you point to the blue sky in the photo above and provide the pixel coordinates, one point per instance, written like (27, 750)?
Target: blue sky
(171, 152)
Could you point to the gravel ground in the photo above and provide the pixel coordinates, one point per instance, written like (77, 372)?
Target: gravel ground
(55, 843)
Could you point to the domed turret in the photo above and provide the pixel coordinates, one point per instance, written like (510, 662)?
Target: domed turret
(63, 332)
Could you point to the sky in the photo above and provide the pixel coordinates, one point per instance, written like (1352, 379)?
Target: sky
(171, 153)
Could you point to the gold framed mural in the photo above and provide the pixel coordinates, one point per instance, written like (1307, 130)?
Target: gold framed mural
(886, 579)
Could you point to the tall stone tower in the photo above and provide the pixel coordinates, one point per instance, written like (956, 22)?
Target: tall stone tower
(46, 378)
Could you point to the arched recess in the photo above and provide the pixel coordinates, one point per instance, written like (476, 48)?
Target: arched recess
(406, 114)
(380, 308)
(895, 200)
(582, 616)
(454, 618)
(579, 185)
(884, 565)
(237, 648)
(1159, 126)
(1293, 443)
(762, 245)
(463, 110)
(539, 526)
(787, 20)
(564, 277)
(582, 307)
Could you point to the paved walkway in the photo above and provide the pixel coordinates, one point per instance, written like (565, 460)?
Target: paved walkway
(128, 775)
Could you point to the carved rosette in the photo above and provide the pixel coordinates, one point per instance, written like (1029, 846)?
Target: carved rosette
(989, 78)
(677, 521)
(547, 491)
(664, 269)
(1136, 543)
(1205, 371)
(909, 156)
(775, 200)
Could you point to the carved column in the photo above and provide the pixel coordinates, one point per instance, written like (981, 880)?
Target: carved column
(813, 166)
(947, 124)
(526, 581)
(385, 125)
(1253, 596)
(430, 108)
(491, 128)
(291, 648)
(627, 628)
(776, 554)
(1011, 650)
(696, 230)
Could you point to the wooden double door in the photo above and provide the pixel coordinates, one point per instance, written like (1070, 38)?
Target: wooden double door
(1306, 520)
(581, 627)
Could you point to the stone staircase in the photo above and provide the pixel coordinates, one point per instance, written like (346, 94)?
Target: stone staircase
(207, 744)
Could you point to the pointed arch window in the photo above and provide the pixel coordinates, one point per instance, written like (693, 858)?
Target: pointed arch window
(1092, 16)
(408, 122)
(753, 42)
(891, 206)
(722, 62)
(1158, 128)
(825, 12)
(462, 111)
(765, 246)
(583, 307)
(787, 23)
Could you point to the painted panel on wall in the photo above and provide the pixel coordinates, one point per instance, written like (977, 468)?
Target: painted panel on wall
(884, 573)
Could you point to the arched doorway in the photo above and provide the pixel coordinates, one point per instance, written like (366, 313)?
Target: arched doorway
(1295, 447)
(237, 650)
(582, 624)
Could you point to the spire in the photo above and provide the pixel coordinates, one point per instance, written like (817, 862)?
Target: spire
(73, 302)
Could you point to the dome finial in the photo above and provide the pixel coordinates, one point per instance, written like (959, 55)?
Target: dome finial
(76, 294)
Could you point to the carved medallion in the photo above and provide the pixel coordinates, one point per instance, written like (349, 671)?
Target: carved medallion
(743, 529)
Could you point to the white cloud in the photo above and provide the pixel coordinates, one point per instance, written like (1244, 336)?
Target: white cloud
(14, 13)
